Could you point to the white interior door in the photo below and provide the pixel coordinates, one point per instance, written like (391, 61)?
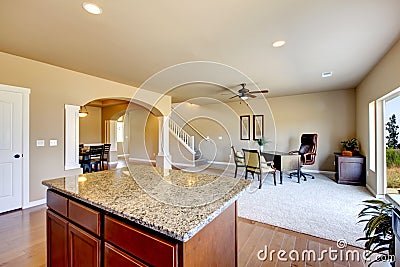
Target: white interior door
(10, 151)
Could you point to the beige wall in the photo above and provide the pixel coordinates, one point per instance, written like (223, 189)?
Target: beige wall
(90, 126)
(111, 113)
(143, 134)
(51, 88)
(384, 78)
(330, 114)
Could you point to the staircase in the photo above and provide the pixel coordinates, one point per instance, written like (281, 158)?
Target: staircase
(184, 138)
(187, 141)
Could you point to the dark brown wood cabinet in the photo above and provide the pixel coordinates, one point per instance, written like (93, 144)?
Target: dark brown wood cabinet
(79, 234)
(57, 235)
(113, 257)
(69, 244)
(140, 244)
(84, 249)
(350, 170)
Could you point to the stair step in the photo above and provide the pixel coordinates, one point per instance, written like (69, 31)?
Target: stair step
(200, 162)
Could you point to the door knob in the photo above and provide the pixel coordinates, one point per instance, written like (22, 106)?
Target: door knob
(17, 156)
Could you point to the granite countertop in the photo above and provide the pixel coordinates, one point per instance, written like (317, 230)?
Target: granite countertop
(178, 205)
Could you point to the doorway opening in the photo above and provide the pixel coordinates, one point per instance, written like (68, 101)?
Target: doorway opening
(392, 145)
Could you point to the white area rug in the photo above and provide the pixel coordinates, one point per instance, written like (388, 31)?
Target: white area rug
(319, 207)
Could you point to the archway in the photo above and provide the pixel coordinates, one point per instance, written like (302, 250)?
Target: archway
(122, 124)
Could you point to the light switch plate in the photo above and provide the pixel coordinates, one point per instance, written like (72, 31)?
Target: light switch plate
(53, 142)
(39, 142)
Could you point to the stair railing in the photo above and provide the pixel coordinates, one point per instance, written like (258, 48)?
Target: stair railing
(184, 138)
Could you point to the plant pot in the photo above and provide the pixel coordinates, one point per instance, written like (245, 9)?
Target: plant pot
(347, 153)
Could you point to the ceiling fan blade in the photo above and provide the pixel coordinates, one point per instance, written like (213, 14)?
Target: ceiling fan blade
(259, 92)
(233, 96)
(250, 95)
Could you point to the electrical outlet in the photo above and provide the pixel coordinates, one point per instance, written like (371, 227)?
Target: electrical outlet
(53, 143)
(39, 142)
(219, 137)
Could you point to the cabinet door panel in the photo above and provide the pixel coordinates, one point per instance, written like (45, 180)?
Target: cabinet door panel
(84, 249)
(57, 232)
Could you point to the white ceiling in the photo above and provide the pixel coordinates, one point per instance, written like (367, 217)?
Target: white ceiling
(132, 40)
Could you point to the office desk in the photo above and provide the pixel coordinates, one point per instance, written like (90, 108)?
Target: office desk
(283, 162)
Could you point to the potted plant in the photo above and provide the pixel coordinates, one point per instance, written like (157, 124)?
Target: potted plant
(379, 237)
(261, 142)
(351, 146)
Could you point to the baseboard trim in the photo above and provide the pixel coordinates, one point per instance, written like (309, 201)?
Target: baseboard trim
(369, 188)
(183, 165)
(153, 161)
(221, 163)
(34, 203)
(142, 160)
(321, 172)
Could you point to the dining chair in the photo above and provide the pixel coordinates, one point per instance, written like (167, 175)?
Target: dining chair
(95, 153)
(239, 159)
(255, 166)
(105, 157)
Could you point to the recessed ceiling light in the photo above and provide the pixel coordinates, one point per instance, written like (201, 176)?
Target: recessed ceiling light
(326, 74)
(92, 8)
(279, 43)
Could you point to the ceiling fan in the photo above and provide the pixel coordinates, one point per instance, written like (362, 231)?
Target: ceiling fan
(245, 93)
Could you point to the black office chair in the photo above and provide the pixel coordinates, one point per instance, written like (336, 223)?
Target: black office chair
(307, 152)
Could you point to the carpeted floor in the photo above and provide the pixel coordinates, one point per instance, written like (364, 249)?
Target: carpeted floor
(318, 207)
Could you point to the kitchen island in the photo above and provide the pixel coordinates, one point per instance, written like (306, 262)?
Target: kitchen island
(142, 217)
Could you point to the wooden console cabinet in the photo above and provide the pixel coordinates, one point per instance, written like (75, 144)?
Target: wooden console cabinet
(350, 170)
(79, 234)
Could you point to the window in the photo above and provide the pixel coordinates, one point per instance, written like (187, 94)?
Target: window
(372, 136)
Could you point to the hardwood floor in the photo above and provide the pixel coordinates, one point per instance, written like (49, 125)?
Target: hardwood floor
(254, 236)
(23, 237)
(23, 242)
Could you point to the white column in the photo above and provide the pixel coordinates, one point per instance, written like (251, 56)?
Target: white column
(71, 139)
(163, 159)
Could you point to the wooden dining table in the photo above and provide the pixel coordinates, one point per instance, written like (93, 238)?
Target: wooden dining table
(283, 162)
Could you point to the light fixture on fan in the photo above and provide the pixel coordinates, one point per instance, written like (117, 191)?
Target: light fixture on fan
(244, 93)
(83, 113)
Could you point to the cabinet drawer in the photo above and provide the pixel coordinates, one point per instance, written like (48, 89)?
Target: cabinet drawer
(84, 216)
(140, 243)
(57, 203)
(114, 257)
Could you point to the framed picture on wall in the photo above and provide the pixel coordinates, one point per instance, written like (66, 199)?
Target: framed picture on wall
(245, 127)
(258, 126)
